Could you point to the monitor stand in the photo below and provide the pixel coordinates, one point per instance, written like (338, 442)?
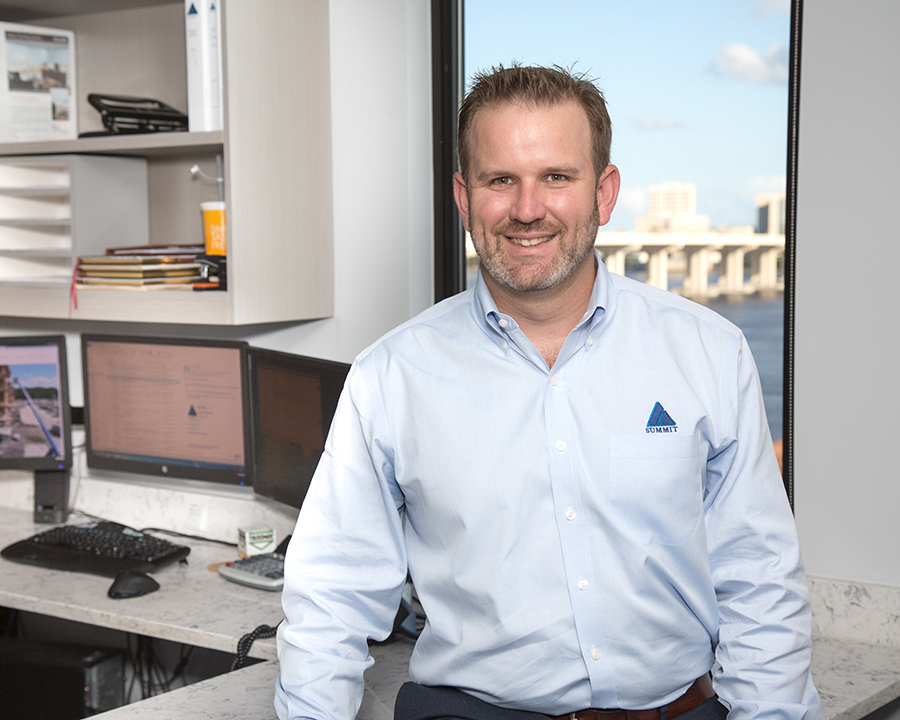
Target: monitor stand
(51, 496)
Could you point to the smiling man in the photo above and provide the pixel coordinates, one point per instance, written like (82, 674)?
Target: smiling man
(574, 468)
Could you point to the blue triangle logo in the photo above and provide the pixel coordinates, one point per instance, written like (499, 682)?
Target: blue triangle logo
(660, 418)
(192, 412)
(192, 10)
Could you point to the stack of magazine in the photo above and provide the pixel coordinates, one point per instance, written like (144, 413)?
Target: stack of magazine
(138, 269)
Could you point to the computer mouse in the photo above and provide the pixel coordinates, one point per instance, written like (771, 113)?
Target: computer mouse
(132, 583)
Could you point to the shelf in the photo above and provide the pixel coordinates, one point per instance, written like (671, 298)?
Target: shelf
(50, 298)
(161, 144)
(62, 252)
(37, 282)
(36, 222)
(46, 191)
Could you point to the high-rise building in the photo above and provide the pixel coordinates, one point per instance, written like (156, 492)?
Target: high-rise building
(673, 208)
(673, 198)
(770, 213)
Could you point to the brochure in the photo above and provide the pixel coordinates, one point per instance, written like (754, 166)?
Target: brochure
(38, 100)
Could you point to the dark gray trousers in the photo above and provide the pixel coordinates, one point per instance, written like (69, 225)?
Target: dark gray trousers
(417, 702)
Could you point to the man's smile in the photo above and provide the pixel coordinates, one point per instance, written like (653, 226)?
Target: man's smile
(529, 241)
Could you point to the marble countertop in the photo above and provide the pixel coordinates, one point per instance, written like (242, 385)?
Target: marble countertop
(247, 694)
(853, 680)
(194, 604)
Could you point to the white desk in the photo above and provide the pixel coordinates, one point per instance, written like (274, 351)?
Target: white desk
(196, 606)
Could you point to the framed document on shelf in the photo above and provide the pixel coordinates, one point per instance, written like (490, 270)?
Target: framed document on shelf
(38, 99)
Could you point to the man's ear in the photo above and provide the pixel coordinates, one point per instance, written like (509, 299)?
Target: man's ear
(461, 195)
(607, 192)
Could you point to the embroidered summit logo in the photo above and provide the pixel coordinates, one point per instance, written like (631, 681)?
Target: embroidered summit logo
(660, 421)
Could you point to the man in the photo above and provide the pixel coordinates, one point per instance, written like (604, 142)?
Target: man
(574, 468)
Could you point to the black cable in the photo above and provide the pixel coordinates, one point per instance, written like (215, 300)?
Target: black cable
(131, 662)
(190, 537)
(186, 651)
(96, 518)
(12, 624)
(246, 642)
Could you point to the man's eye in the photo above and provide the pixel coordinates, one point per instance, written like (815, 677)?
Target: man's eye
(501, 181)
(555, 177)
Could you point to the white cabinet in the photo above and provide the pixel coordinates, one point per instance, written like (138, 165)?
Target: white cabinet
(276, 151)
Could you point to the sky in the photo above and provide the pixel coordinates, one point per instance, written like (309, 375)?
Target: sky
(32, 376)
(697, 89)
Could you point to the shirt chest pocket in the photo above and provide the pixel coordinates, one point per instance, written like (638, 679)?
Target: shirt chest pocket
(655, 486)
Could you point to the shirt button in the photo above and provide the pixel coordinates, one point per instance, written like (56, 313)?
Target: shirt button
(502, 322)
(560, 445)
(570, 514)
(582, 584)
(595, 653)
(505, 345)
(554, 381)
(590, 341)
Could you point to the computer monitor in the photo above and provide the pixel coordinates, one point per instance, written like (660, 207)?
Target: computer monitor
(169, 407)
(293, 401)
(35, 418)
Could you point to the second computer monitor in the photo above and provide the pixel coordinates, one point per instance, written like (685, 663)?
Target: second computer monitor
(170, 407)
(293, 399)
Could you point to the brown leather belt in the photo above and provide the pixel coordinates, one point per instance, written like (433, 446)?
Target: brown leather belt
(701, 690)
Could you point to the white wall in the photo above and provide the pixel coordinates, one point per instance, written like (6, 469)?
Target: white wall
(383, 236)
(847, 392)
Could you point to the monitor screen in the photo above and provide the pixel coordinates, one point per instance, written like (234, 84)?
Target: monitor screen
(35, 425)
(293, 399)
(171, 407)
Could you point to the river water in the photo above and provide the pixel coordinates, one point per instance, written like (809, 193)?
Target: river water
(761, 317)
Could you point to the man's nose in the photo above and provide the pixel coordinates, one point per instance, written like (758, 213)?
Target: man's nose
(529, 204)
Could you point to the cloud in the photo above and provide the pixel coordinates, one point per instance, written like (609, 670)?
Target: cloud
(772, 184)
(38, 382)
(645, 122)
(744, 64)
(772, 7)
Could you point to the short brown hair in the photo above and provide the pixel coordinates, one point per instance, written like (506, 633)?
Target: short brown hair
(538, 87)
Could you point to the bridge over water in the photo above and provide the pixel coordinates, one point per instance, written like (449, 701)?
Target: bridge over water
(724, 255)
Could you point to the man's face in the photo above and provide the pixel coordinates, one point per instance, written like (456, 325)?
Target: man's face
(533, 203)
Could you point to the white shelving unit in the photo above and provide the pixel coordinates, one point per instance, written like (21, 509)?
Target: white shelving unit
(54, 208)
(276, 148)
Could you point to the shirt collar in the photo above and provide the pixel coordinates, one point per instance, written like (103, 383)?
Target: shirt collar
(601, 295)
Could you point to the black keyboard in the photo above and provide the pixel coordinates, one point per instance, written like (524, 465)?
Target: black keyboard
(98, 548)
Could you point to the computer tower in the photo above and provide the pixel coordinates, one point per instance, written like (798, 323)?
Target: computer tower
(48, 681)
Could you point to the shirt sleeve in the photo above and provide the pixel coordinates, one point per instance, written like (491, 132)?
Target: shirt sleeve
(764, 643)
(345, 567)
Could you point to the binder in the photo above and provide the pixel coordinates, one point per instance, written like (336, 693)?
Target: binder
(204, 65)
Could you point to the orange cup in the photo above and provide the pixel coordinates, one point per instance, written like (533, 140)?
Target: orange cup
(213, 213)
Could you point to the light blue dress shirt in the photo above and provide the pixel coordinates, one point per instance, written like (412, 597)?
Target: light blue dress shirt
(598, 534)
